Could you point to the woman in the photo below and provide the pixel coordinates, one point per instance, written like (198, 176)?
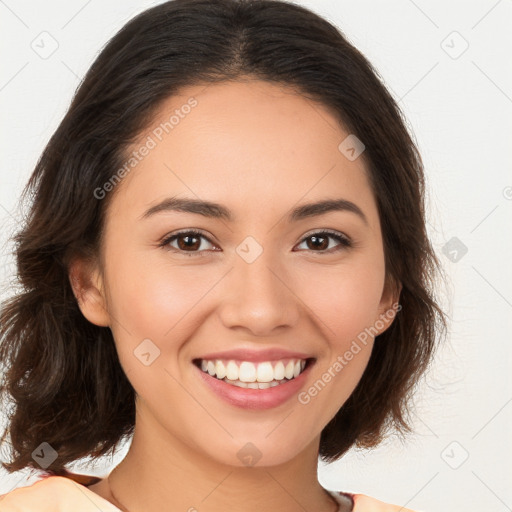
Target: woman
(171, 288)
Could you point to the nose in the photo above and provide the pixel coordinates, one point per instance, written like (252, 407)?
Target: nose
(259, 297)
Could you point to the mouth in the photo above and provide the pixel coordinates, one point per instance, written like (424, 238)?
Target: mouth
(251, 375)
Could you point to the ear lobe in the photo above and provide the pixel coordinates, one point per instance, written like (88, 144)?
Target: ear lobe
(87, 286)
(389, 304)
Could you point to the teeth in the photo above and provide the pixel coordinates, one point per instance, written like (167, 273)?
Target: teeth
(247, 373)
(238, 383)
(220, 370)
(252, 385)
(265, 372)
(279, 371)
(289, 370)
(231, 371)
(251, 375)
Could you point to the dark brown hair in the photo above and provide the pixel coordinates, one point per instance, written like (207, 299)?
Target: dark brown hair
(62, 373)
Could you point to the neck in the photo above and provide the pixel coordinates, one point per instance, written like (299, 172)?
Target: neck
(158, 476)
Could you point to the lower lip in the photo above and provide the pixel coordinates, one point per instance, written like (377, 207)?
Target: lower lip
(248, 398)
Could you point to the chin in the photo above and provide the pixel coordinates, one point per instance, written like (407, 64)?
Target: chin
(256, 453)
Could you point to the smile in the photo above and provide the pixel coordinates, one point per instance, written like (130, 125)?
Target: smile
(246, 374)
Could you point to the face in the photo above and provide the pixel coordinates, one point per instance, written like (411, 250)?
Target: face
(267, 276)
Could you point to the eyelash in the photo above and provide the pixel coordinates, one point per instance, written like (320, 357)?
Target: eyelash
(345, 242)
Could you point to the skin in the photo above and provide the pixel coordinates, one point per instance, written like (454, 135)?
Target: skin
(276, 150)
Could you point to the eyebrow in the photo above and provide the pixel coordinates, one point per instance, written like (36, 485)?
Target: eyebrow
(218, 211)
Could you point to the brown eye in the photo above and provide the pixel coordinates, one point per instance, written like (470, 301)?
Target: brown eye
(187, 241)
(320, 241)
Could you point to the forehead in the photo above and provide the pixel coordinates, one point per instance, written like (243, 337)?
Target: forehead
(248, 144)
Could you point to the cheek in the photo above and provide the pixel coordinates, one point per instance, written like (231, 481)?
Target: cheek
(345, 306)
(151, 297)
(146, 301)
(160, 303)
(346, 300)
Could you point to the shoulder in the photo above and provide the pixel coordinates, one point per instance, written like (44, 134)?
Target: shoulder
(33, 494)
(363, 503)
(52, 494)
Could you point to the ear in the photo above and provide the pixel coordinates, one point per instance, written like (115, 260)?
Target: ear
(389, 304)
(88, 288)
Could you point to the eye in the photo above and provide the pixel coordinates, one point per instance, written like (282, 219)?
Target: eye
(187, 241)
(190, 241)
(320, 240)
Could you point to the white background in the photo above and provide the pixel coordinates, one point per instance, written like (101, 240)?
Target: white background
(460, 109)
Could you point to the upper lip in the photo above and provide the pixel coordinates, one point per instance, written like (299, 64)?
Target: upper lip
(256, 355)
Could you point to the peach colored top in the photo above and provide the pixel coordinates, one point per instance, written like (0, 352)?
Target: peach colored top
(43, 495)
(342, 498)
